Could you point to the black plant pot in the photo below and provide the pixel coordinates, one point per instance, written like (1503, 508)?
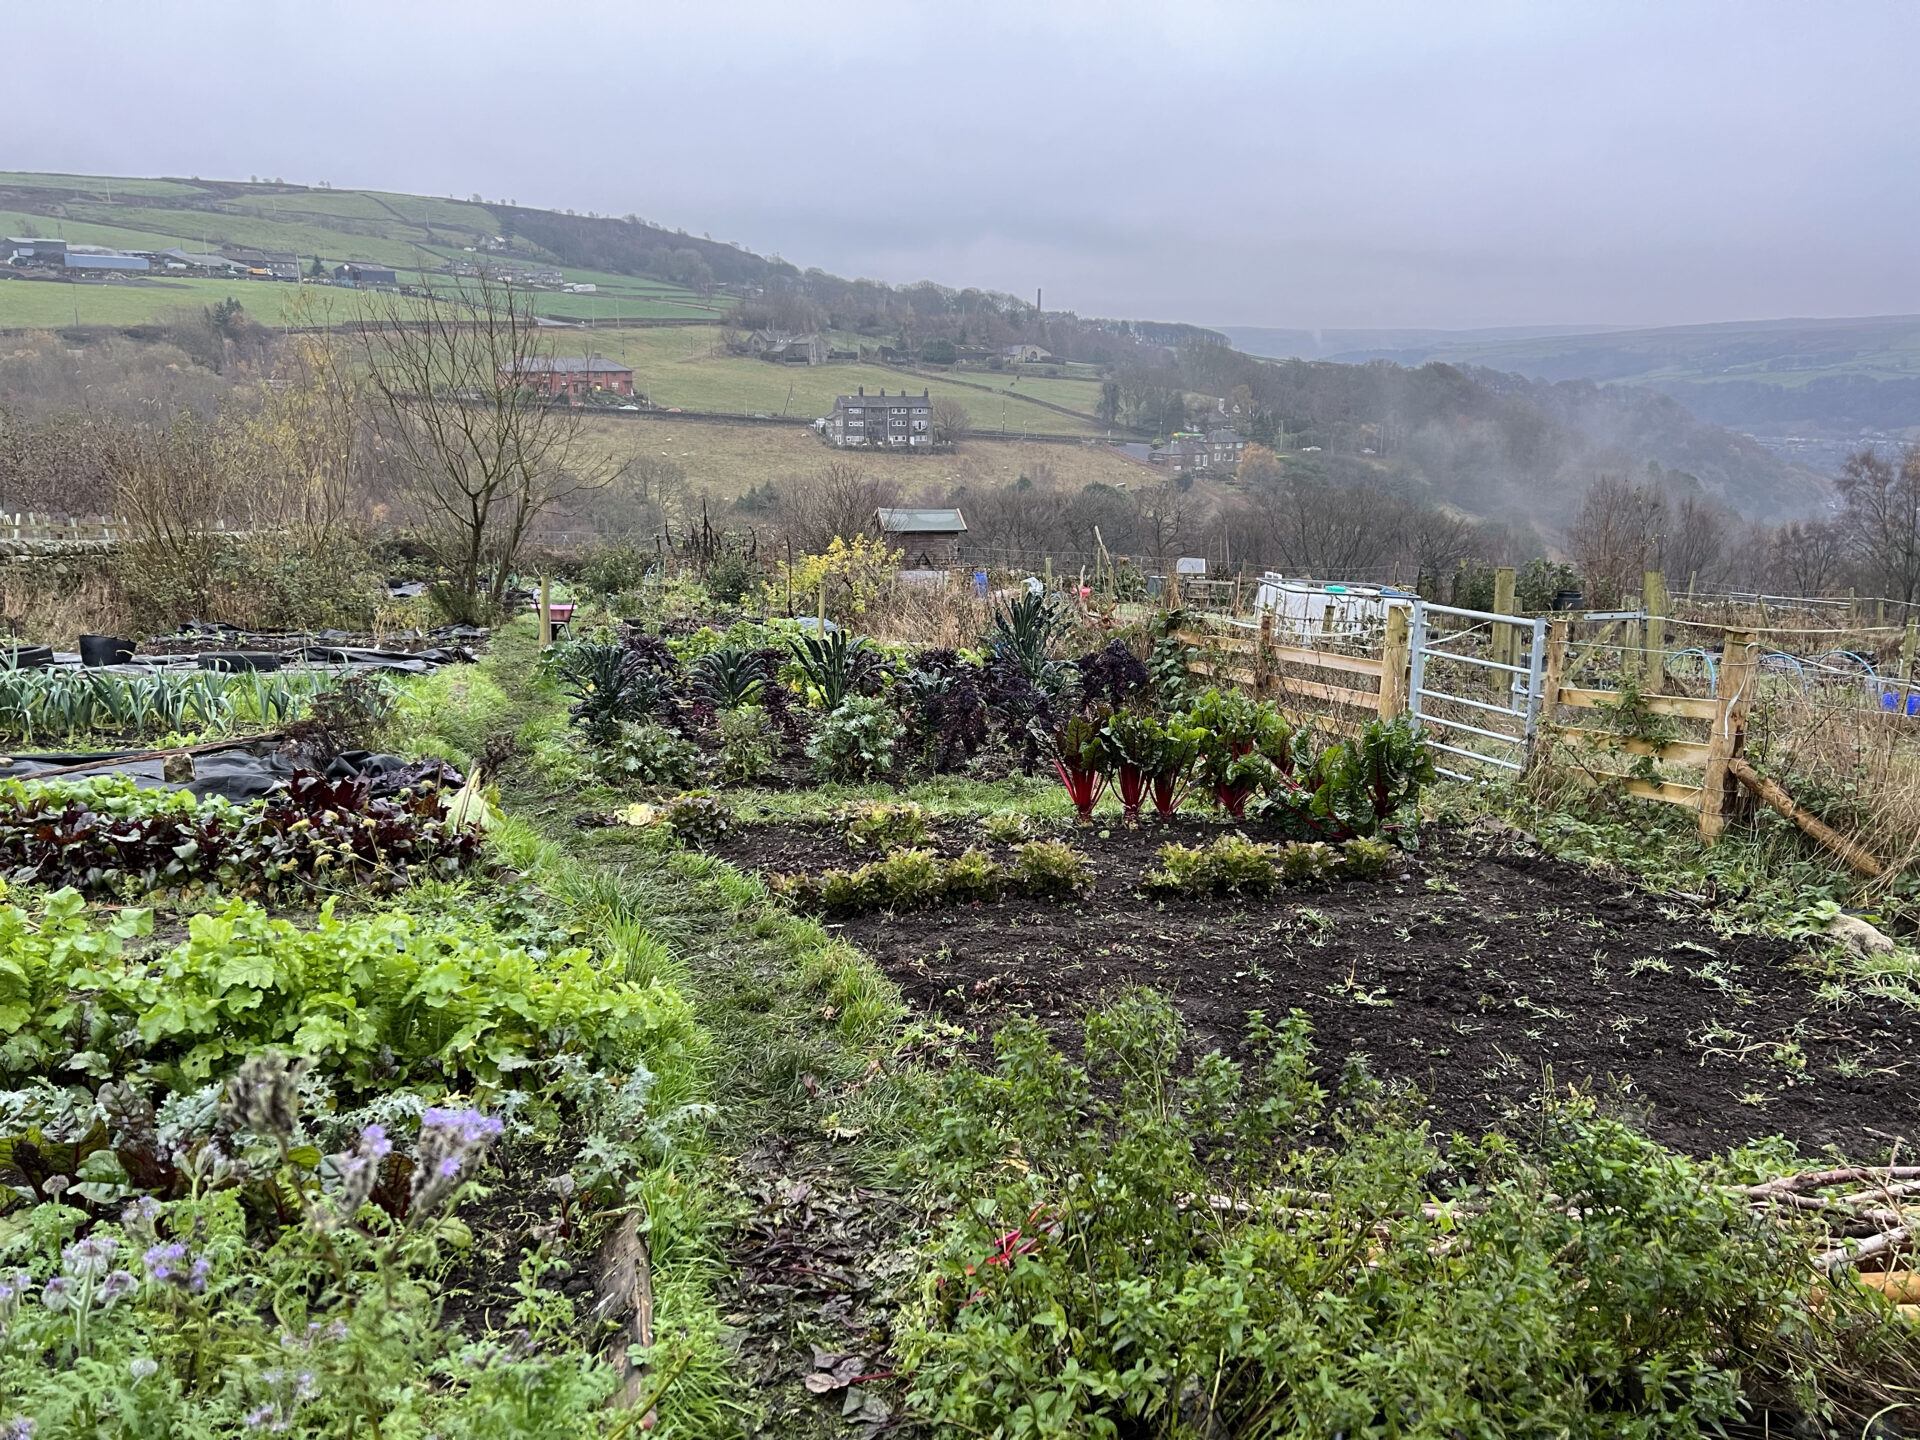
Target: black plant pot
(98, 650)
(26, 657)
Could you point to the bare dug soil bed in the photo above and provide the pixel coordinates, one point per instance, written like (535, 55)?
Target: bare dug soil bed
(1486, 973)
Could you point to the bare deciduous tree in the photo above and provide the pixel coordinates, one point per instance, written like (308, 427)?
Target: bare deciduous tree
(950, 421)
(1880, 519)
(1807, 557)
(1696, 547)
(483, 450)
(1616, 536)
(838, 500)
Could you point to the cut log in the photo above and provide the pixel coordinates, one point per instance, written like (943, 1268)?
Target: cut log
(1857, 856)
(624, 1292)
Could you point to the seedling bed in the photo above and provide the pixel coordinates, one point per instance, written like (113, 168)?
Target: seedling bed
(1483, 974)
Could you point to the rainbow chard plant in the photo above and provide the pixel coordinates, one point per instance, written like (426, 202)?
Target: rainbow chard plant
(1135, 747)
(1079, 761)
(1245, 747)
(1172, 770)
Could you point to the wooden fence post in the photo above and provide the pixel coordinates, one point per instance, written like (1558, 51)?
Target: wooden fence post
(1504, 636)
(1396, 652)
(1263, 657)
(1653, 599)
(1719, 790)
(1909, 643)
(546, 612)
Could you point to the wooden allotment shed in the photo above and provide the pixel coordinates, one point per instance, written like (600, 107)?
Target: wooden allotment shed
(930, 539)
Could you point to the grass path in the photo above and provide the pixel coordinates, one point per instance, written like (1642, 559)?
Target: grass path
(802, 1075)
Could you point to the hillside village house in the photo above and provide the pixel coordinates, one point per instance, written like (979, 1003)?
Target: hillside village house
(571, 375)
(928, 539)
(881, 419)
(787, 347)
(1190, 452)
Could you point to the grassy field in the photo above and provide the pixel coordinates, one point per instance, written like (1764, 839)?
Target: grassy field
(728, 460)
(1075, 394)
(690, 369)
(415, 234)
(53, 303)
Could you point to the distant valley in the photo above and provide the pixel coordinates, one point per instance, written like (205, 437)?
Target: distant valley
(1808, 389)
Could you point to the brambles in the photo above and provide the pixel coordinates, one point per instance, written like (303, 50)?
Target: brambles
(856, 740)
(882, 827)
(697, 817)
(1653, 1303)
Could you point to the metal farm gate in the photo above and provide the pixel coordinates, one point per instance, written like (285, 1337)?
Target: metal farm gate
(1474, 685)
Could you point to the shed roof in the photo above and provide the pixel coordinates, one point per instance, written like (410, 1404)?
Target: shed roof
(570, 365)
(922, 522)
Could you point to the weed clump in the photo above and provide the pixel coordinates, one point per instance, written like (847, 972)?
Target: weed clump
(1644, 1297)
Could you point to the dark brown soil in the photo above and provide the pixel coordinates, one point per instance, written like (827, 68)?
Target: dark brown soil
(1486, 973)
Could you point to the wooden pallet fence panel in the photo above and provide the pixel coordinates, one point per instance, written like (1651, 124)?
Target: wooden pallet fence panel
(1366, 700)
(1679, 706)
(1684, 795)
(1666, 791)
(1677, 752)
(1238, 674)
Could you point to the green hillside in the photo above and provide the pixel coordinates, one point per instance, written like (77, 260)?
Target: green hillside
(417, 235)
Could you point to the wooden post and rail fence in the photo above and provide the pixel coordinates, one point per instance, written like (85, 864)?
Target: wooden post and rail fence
(1328, 688)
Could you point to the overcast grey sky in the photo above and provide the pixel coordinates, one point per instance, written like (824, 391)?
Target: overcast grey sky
(1297, 164)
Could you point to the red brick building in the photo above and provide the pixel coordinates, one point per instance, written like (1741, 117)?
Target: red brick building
(569, 375)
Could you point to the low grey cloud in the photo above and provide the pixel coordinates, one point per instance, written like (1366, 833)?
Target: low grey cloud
(1298, 164)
